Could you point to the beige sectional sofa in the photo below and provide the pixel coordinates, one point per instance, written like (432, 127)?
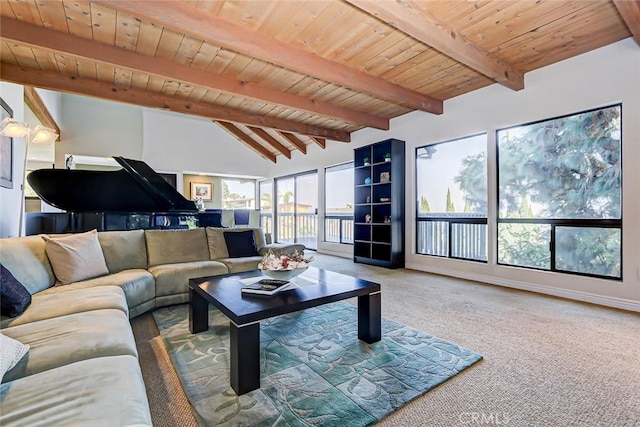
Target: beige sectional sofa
(82, 366)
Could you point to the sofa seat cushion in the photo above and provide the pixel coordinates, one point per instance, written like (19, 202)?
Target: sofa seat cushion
(238, 265)
(106, 391)
(67, 339)
(173, 279)
(176, 246)
(138, 285)
(56, 303)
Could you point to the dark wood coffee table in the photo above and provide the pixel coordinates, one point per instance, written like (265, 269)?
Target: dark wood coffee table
(246, 312)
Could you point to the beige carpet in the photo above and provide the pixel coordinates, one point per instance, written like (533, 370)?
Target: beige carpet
(547, 361)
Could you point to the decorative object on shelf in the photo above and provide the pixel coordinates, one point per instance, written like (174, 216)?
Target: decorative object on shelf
(387, 157)
(366, 161)
(385, 199)
(368, 199)
(284, 267)
(202, 190)
(367, 181)
(69, 163)
(387, 219)
(385, 176)
(367, 218)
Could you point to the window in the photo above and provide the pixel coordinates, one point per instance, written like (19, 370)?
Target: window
(265, 189)
(297, 209)
(238, 194)
(559, 194)
(451, 192)
(338, 203)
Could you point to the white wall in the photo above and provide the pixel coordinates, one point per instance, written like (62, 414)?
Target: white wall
(602, 77)
(13, 95)
(53, 101)
(10, 199)
(178, 142)
(93, 127)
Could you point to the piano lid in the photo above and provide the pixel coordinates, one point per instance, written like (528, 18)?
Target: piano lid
(134, 188)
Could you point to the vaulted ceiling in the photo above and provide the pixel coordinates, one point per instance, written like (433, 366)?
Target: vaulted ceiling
(281, 75)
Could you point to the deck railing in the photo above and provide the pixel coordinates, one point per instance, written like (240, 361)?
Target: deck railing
(462, 237)
(338, 228)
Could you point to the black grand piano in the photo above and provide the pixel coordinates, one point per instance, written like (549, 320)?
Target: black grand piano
(134, 197)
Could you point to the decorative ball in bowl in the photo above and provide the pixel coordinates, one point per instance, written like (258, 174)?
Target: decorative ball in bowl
(284, 266)
(284, 274)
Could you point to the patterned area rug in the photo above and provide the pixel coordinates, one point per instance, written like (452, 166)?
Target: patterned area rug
(314, 370)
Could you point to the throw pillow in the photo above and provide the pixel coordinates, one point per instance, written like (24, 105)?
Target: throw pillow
(12, 352)
(240, 243)
(14, 298)
(76, 257)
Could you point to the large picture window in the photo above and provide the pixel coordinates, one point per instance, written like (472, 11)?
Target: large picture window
(296, 212)
(338, 203)
(238, 194)
(559, 194)
(452, 198)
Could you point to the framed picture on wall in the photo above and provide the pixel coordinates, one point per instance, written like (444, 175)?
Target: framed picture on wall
(6, 150)
(202, 190)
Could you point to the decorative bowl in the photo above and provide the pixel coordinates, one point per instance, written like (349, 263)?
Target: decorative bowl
(284, 274)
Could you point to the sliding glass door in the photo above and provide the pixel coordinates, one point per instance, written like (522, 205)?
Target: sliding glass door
(297, 209)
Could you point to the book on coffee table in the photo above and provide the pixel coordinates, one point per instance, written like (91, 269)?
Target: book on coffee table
(266, 287)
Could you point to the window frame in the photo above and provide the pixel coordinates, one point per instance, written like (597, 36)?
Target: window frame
(561, 222)
(451, 220)
(341, 218)
(276, 180)
(266, 220)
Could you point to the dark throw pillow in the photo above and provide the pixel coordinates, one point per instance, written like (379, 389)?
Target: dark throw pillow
(14, 298)
(240, 243)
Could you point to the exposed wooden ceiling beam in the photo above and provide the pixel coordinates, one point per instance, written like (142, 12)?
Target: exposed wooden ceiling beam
(415, 23)
(321, 142)
(56, 41)
(247, 140)
(630, 12)
(271, 141)
(35, 104)
(183, 18)
(300, 145)
(74, 84)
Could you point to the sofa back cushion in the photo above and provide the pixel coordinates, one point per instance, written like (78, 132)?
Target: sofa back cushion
(217, 243)
(26, 259)
(174, 246)
(76, 257)
(123, 250)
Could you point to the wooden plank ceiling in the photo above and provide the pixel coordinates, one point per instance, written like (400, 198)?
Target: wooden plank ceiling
(282, 75)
